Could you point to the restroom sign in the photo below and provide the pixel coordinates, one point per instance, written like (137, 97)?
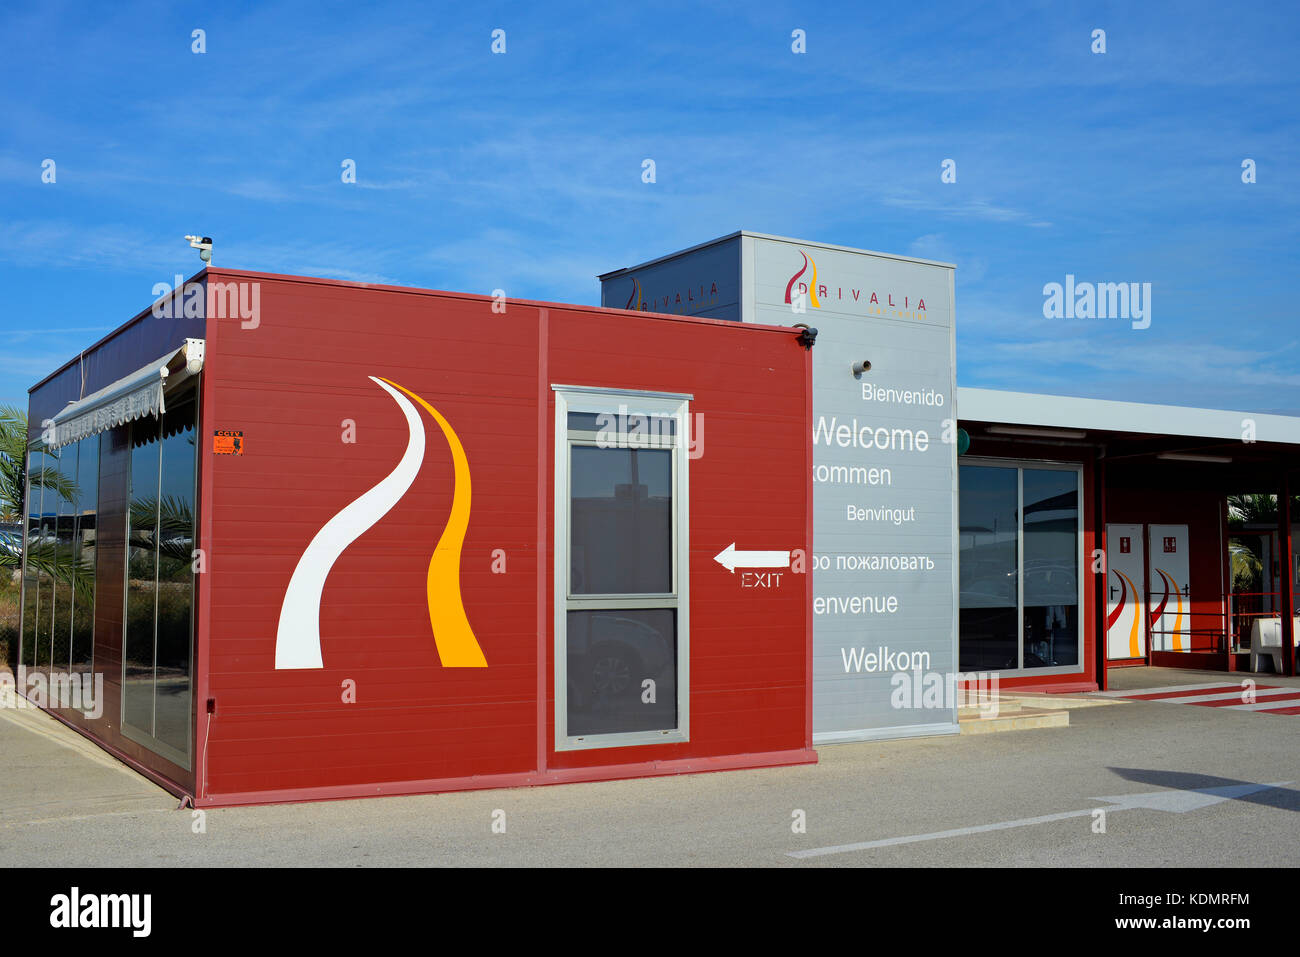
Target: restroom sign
(1171, 544)
(1125, 545)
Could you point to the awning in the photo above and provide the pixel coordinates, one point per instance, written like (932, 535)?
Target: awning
(129, 398)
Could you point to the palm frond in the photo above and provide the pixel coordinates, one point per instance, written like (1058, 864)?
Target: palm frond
(13, 462)
(56, 562)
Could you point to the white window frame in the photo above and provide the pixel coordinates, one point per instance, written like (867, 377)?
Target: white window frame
(570, 398)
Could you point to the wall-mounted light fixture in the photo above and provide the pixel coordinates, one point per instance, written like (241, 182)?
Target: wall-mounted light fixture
(1191, 457)
(1035, 433)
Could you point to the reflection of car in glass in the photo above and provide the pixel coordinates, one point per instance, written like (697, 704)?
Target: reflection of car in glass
(988, 638)
(45, 536)
(617, 655)
(1051, 582)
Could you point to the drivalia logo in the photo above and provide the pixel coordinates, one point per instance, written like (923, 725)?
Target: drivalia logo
(810, 285)
(679, 299)
(297, 639)
(804, 290)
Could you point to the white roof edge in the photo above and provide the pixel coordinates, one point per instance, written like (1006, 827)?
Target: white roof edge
(781, 239)
(850, 249)
(1109, 415)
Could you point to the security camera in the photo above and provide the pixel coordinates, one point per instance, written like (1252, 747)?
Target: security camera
(861, 366)
(204, 245)
(808, 336)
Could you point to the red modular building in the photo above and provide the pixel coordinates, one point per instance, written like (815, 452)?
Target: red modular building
(335, 540)
(293, 538)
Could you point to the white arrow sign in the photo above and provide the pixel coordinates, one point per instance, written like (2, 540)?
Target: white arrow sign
(730, 559)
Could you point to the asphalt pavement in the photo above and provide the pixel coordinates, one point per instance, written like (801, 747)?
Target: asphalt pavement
(1175, 785)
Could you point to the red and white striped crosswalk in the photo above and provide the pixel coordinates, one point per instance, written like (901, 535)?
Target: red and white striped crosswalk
(1243, 696)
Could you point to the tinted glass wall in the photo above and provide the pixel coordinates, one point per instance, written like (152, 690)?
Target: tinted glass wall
(1019, 567)
(158, 660)
(58, 623)
(1050, 618)
(988, 515)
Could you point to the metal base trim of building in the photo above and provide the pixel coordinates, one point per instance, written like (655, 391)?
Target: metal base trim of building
(483, 782)
(884, 734)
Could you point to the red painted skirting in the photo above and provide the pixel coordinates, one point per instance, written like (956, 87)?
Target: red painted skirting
(1201, 661)
(736, 762)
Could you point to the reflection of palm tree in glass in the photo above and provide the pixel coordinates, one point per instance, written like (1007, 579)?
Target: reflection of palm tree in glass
(173, 532)
(45, 556)
(1252, 509)
(13, 474)
(164, 527)
(1247, 567)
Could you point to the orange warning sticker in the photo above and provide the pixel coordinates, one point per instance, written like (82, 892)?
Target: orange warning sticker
(227, 442)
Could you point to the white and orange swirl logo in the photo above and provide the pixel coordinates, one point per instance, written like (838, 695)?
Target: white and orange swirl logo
(810, 283)
(297, 639)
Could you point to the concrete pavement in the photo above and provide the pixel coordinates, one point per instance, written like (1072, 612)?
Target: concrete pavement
(62, 805)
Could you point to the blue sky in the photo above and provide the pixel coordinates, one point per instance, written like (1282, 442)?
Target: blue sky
(523, 171)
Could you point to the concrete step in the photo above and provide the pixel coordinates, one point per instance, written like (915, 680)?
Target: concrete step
(1023, 719)
(1056, 702)
(1004, 708)
(1015, 702)
(1006, 704)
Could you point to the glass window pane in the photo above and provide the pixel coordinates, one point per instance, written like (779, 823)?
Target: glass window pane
(1051, 577)
(65, 461)
(30, 601)
(626, 428)
(141, 578)
(175, 576)
(621, 535)
(44, 472)
(610, 656)
(989, 533)
(31, 583)
(83, 619)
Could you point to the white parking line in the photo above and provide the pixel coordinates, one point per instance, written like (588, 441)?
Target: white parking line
(936, 835)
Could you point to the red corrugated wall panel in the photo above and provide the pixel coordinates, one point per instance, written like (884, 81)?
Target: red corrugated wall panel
(298, 380)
